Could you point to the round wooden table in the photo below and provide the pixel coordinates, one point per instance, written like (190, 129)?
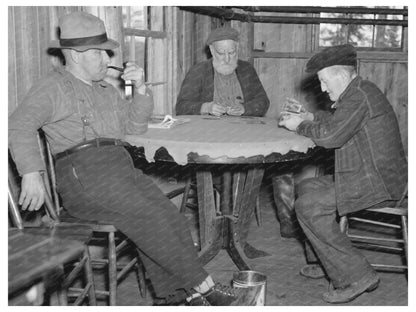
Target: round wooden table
(238, 147)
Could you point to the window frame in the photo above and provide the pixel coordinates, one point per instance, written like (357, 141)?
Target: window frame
(155, 57)
(372, 52)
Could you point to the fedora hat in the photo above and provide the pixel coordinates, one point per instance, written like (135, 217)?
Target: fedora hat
(82, 31)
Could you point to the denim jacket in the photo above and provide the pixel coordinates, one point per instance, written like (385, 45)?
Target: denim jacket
(370, 162)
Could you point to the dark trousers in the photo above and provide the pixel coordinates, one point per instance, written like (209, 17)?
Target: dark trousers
(316, 211)
(284, 198)
(103, 184)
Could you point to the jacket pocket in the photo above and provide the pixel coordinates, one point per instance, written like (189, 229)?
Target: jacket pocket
(348, 158)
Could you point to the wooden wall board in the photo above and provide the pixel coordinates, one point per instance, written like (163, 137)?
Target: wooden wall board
(392, 79)
(281, 78)
(202, 31)
(157, 67)
(281, 37)
(12, 75)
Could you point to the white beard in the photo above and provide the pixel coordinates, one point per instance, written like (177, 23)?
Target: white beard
(224, 69)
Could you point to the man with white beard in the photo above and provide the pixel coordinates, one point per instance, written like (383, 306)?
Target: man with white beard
(227, 85)
(223, 84)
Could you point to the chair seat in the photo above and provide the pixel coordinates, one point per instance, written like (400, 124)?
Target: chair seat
(399, 211)
(117, 270)
(391, 218)
(96, 226)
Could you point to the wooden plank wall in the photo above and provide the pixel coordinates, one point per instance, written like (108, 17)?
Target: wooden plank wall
(284, 76)
(30, 31)
(31, 28)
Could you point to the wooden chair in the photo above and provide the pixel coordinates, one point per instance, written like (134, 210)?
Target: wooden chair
(380, 242)
(105, 235)
(81, 234)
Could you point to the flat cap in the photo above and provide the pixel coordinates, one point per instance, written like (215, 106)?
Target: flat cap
(337, 55)
(222, 33)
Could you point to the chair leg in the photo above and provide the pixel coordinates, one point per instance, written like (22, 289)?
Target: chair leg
(89, 278)
(343, 224)
(185, 195)
(141, 279)
(258, 212)
(112, 269)
(62, 295)
(405, 236)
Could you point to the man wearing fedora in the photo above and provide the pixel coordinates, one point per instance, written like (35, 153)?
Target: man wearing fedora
(370, 170)
(85, 121)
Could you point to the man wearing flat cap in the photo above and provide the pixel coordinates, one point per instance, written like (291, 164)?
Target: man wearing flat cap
(370, 170)
(85, 121)
(223, 84)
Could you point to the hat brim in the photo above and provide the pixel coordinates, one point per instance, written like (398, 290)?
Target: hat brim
(110, 44)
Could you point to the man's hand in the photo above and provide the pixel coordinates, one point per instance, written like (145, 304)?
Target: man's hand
(307, 116)
(290, 121)
(213, 108)
(236, 110)
(32, 195)
(135, 73)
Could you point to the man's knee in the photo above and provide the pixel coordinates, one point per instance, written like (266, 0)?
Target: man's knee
(313, 204)
(303, 207)
(305, 186)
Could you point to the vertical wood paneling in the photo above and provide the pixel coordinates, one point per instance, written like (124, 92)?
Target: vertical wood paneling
(12, 85)
(172, 58)
(392, 79)
(31, 29)
(27, 58)
(203, 29)
(281, 78)
(157, 61)
(43, 39)
(245, 39)
(281, 37)
(186, 53)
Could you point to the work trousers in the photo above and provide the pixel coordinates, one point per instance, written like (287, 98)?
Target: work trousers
(103, 184)
(316, 211)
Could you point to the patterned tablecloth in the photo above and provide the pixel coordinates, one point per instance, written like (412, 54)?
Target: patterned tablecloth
(230, 137)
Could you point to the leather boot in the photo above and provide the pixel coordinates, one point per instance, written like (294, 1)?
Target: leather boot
(284, 198)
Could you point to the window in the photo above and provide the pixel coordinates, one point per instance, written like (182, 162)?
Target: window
(377, 37)
(134, 49)
(145, 43)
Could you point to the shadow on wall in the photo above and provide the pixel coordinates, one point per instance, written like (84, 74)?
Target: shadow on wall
(315, 99)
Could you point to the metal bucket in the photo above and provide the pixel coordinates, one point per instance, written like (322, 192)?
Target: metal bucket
(255, 283)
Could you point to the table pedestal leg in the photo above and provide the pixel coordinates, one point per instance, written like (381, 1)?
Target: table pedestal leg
(244, 199)
(230, 229)
(210, 225)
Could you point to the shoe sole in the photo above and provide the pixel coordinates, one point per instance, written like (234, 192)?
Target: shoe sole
(301, 272)
(368, 289)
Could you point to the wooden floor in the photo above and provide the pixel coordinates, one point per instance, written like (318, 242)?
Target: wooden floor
(285, 287)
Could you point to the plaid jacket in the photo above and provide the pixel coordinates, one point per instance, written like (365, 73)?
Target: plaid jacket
(370, 162)
(198, 88)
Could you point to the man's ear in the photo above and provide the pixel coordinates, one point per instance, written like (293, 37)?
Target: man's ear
(74, 55)
(211, 49)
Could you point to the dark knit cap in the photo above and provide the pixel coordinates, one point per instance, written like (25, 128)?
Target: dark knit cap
(222, 33)
(337, 55)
